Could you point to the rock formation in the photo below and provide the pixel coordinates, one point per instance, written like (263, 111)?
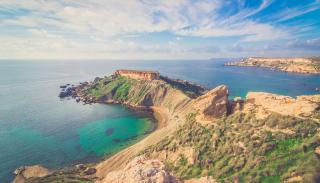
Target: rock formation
(27, 172)
(213, 104)
(144, 170)
(297, 65)
(140, 170)
(264, 103)
(135, 74)
(173, 107)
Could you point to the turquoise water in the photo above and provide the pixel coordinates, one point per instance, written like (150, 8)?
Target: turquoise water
(36, 127)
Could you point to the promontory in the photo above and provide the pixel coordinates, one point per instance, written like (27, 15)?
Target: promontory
(296, 65)
(202, 136)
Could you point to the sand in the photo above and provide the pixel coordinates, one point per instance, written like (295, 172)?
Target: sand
(120, 159)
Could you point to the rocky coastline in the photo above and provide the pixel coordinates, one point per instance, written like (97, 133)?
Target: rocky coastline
(293, 65)
(176, 105)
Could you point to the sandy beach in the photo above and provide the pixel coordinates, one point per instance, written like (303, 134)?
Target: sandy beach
(120, 159)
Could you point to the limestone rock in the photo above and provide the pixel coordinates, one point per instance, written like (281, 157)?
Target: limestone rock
(264, 103)
(213, 104)
(135, 74)
(140, 170)
(27, 172)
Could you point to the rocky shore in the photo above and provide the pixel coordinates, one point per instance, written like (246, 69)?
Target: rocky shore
(295, 65)
(75, 91)
(203, 136)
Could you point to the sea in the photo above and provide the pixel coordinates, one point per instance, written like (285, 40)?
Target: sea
(37, 127)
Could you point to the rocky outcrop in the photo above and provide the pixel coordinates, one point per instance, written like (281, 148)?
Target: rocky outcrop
(213, 104)
(191, 89)
(297, 65)
(174, 105)
(140, 170)
(135, 74)
(27, 172)
(265, 103)
(144, 170)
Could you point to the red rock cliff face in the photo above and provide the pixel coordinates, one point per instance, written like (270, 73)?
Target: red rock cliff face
(144, 75)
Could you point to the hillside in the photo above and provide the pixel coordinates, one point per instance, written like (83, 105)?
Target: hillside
(204, 137)
(297, 65)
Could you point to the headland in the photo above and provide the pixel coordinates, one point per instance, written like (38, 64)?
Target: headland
(203, 136)
(296, 65)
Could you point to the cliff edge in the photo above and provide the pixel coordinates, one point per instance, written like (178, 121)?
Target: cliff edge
(203, 136)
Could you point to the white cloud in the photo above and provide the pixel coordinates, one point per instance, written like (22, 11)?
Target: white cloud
(251, 30)
(80, 27)
(114, 17)
(290, 13)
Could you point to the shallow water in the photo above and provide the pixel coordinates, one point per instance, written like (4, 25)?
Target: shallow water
(36, 127)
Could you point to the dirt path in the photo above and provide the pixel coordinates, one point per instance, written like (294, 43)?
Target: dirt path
(165, 126)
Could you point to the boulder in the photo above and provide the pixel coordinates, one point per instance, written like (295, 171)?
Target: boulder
(213, 104)
(97, 79)
(27, 172)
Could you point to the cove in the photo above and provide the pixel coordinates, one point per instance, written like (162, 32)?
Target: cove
(36, 127)
(71, 143)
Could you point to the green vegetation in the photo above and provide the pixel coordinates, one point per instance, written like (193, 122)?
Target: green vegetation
(187, 88)
(240, 147)
(118, 88)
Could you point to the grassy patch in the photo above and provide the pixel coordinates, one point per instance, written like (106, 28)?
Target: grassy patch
(239, 148)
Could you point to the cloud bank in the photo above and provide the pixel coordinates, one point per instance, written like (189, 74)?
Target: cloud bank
(154, 28)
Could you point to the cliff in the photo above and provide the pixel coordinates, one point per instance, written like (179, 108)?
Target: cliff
(297, 65)
(204, 137)
(135, 74)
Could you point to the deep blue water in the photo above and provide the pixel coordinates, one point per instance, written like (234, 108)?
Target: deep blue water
(36, 127)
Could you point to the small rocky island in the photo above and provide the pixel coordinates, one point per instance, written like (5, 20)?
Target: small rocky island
(296, 65)
(202, 136)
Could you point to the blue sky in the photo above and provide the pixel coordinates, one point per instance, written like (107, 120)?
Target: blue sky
(158, 29)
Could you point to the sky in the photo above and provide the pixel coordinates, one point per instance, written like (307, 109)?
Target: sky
(158, 29)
